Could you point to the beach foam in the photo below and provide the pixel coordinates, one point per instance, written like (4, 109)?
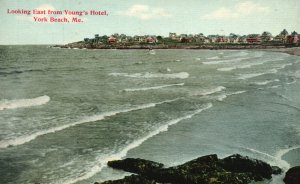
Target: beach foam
(151, 88)
(101, 162)
(27, 138)
(180, 75)
(22, 103)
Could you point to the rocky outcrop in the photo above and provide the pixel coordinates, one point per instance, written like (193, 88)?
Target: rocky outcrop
(292, 176)
(235, 169)
(135, 165)
(132, 179)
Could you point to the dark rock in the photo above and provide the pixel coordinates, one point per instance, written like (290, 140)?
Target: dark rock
(292, 176)
(235, 169)
(241, 164)
(132, 179)
(135, 165)
(276, 170)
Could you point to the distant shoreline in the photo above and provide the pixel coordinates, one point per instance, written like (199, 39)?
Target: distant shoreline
(283, 49)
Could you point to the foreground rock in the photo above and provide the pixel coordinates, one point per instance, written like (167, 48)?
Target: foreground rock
(235, 169)
(292, 176)
(133, 179)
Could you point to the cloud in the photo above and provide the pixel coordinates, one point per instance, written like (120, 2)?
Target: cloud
(239, 10)
(249, 7)
(145, 12)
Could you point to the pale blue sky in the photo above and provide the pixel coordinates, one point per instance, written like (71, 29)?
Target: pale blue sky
(141, 17)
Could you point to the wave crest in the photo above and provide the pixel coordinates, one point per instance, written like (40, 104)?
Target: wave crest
(22, 103)
(180, 75)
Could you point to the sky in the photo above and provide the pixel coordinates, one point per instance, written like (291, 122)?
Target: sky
(145, 17)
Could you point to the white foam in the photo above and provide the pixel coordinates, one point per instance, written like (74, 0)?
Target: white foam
(209, 91)
(237, 92)
(276, 86)
(284, 65)
(249, 65)
(27, 138)
(224, 61)
(22, 103)
(151, 88)
(152, 52)
(296, 74)
(214, 57)
(251, 75)
(101, 162)
(274, 160)
(221, 97)
(224, 96)
(266, 82)
(294, 81)
(280, 153)
(180, 75)
(198, 59)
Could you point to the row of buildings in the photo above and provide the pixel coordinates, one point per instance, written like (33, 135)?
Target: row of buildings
(265, 38)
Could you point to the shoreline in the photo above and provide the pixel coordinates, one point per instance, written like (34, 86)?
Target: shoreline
(292, 51)
(282, 49)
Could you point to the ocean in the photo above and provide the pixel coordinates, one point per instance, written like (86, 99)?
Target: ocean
(65, 112)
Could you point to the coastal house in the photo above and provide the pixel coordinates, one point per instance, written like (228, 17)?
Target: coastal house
(233, 38)
(254, 39)
(86, 40)
(112, 40)
(293, 38)
(213, 38)
(185, 39)
(151, 39)
(278, 39)
(206, 40)
(242, 39)
(200, 38)
(173, 36)
(220, 39)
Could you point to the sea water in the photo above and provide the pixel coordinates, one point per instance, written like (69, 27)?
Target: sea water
(64, 113)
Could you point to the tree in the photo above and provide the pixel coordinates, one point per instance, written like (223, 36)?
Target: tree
(266, 36)
(159, 38)
(284, 32)
(294, 33)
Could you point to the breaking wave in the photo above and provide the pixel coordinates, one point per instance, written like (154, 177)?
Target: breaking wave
(209, 91)
(27, 138)
(101, 162)
(154, 87)
(251, 75)
(224, 61)
(22, 103)
(266, 82)
(181, 75)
